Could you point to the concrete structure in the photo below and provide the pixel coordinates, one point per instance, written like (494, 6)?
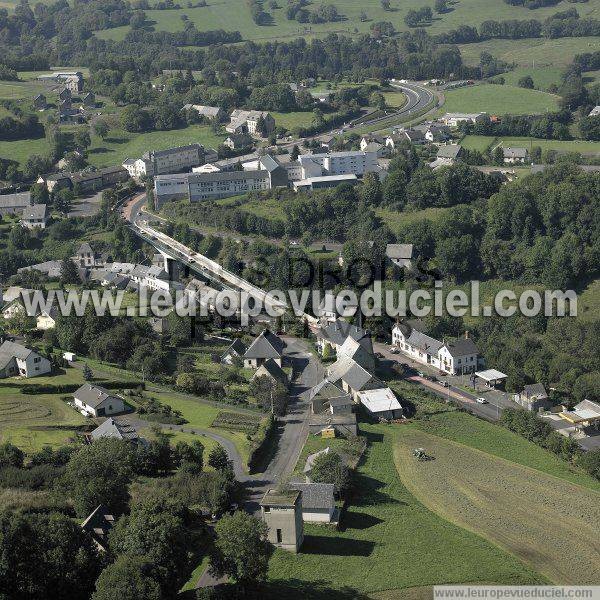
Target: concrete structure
(491, 377)
(584, 414)
(266, 346)
(514, 155)
(247, 121)
(17, 360)
(381, 403)
(14, 204)
(264, 173)
(171, 160)
(94, 181)
(282, 512)
(457, 357)
(533, 398)
(453, 119)
(323, 182)
(35, 216)
(96, 401)
(71, 80)
(318, 502)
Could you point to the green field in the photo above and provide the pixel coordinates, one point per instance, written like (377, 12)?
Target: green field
(533, 53)
(543, 77)
(499, 100)
(483, 142)
(33, 421)
(233, 15)
(396, 220)
(589, 302)
(515, 507)
(291, 120)
(390, 542)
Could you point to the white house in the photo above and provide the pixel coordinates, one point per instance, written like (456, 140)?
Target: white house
(246, 121)
(47, 319)
(318, 503)
(96, 401)
(17, 360)
(456, 357)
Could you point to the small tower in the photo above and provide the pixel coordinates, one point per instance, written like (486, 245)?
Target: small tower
(282, 512)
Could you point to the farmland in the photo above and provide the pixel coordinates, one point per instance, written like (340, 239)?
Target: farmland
(232, 15)
(386, 526)
(499, 100)
(517, 508)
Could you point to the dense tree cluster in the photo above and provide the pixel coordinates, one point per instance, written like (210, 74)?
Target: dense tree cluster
(27, 127)
(546, 126)
(418, 17)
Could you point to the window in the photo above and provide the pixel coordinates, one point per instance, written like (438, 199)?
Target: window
(279, 536)
(267, 509)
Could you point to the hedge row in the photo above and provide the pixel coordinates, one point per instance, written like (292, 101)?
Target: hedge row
(69, 388)
(261, 442)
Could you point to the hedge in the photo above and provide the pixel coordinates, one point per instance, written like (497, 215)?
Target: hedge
(69, 388)
(261, 442)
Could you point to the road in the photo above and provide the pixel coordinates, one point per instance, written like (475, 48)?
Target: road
(496, 400)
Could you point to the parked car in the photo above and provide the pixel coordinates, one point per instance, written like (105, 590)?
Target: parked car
(482, 401)
(445, 383)
(420, 374)
(395, 350)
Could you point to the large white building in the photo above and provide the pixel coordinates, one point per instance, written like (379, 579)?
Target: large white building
(456, 357)
(246, 121)
(263, 173)
(171, 160)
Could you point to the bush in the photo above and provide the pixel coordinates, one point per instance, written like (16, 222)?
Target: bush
(261, 441)
(34, 478)
(69, 388)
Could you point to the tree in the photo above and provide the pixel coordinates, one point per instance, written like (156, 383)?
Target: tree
(189, 457)
(99, 474)
(371, 191)
(128, 578)
(39, 193)
(241, 550)
(377, 99)
(218, 459)
(526, 82)
(63, 201)
(590, 463)
(88, 375)
(385, 4)
(135, 119)
(331, 468)
(11, 455)
(441, 6)
(155, 531)
(101, 128)
(82, 139)
(69, 272)
(295, 152)
(46, 557)
(590, 128)
(394, 189)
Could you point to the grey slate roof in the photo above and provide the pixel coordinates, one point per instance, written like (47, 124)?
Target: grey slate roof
(351, 373)
(51, 268)
(398, 251)
(35, 212)
(535, 389)
(10, 350)
(325, 390)
(13, 201)
(266, 345)
(449, 151)
(514, 152)
(273, 369)
(121, 430)
(424, 342)
(461, 347)
(92, 395)
(236, 347)
(317, 496)
(339, 330)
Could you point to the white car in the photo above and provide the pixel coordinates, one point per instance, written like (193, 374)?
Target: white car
(482, 401)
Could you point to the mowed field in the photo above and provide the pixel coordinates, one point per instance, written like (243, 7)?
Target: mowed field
(33, 421)
(390, 541)
(550, 524)
(483, 142)
(533, 53)
(233, 15)
(499, 100)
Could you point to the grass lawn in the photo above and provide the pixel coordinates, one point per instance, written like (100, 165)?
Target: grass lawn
(17, 90)
(290, 120)
(588, 308)
(396, 220)
(533, 53)
(543, 77)
(518, 508)
(122, 144)
(390, 542)
(581, 146)
(33, 421)
(499, 100)
(232, 15)
(477, 142)
(271, 209)
(21, 150)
